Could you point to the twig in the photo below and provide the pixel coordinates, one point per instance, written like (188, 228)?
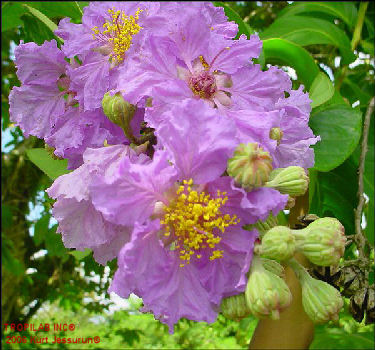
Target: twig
(359, 237)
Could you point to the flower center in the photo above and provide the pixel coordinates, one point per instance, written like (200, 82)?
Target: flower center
(118, 33)
(203, 84)
(195, 222)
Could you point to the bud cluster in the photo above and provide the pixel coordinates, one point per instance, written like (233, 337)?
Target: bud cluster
(323, 243)
(251, 168)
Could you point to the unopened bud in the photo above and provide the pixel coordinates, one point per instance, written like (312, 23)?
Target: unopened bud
(322, 242)
(266, 293)
(250, 166)
(291, 180)
(278, 244)
(119, 111)
(273, 266)
(235, 307)
(276, 134)
(321, 301)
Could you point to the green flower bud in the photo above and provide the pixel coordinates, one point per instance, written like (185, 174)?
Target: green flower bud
(266, 293)
(264, 226)
(291, 180)
(278, 244)
(250, 166)
(322, 242)
(273, 266)
(119, 111)
(235, 307)
(276, 134)
(321, 301)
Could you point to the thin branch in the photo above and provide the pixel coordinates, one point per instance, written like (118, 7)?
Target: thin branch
(359, 237)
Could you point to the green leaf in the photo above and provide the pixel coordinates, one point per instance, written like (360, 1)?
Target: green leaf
(339, 128)
(11, 13)
(321, 90)
(243, 27)
(305, 31)
(346, 11)
(54, 244)
(80, 255)
(43, 18)
(41, 229)
(6, 216)
(335, 194)
(58, 9)
(52, 167)
(34, 30)
(284, 52)
(338, 338)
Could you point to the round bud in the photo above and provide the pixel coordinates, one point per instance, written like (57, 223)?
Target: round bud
(235, 307)
(321, 301)
(278, 244)
(322, 242)
(118, 111)
(291, 180)
(266, 293)
(250, 166)
(276, 134)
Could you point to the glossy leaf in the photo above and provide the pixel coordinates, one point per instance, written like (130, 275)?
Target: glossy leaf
(306, 31)
(284, 52)
(58, 9)
(44, 19)
(321, 90)
(346, 11)
(11, 13)
(338, 338)
(339, 127)
(334, 194)
(52, 167)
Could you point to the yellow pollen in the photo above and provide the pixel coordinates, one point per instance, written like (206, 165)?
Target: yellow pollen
(204, 63)
(119, 32)
(196, 222)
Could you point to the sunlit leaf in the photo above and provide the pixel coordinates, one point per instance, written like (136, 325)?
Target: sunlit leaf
(52, 167)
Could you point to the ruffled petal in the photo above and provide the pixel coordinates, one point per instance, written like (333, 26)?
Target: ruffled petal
(129, 194)
(35, 108)
(41, 65)
(151, 271)
(258, 90)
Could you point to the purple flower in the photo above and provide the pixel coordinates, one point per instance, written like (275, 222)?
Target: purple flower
(188, 249)
(110, 33)
(80, 224)
(297, 137)
(38, 103)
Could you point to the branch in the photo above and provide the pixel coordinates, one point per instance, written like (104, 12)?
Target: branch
(359, 238)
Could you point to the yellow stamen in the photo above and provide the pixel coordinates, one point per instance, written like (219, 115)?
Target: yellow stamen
(196, 222)
(119, 32)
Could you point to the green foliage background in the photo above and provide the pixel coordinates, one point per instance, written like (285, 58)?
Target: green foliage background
(42, 282)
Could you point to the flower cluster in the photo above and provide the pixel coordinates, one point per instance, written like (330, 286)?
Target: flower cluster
(149, 102)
